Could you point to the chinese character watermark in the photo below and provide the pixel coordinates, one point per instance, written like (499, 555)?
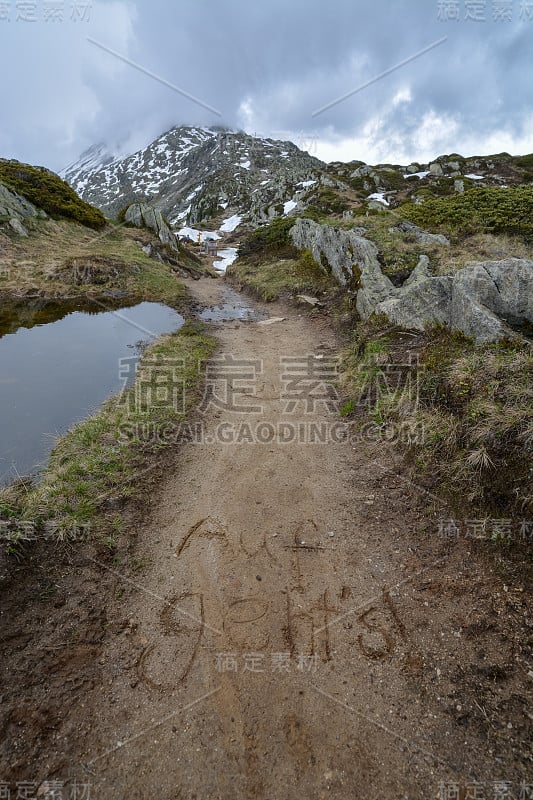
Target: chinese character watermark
(485, 790)
(47, 790)
(261, 663)
(47, 11)
(495, 530)
(484, 10)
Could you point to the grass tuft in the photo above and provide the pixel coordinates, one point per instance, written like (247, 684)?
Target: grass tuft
(471, 404)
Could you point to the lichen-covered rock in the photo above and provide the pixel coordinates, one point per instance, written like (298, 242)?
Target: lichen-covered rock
(423, 299)
(481, 300)
(144, 216)
(17, 226)
(436, 169)
(366, 169)
(344, 254)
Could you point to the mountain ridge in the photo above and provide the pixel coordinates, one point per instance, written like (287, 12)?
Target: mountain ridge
(199, 174)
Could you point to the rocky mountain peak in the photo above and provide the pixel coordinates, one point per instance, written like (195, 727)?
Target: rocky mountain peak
(192, 174)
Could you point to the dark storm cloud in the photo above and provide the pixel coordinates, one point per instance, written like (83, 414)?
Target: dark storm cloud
(268, 66)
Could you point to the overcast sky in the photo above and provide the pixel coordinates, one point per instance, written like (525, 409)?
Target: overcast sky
(269, 66)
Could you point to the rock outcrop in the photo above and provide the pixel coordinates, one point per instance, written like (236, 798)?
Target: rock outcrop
(420, 236)
(15, 209)
(144, 216)
(492, 295)
(344, 254)
(482, 300)
(422, 300)
(436, 169)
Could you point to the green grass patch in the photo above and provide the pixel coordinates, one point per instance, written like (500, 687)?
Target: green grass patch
(269, 240)
(271, 279)
(526, 162)
(325, 202)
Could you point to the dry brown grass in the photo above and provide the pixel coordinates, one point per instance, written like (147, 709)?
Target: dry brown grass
(42, 263)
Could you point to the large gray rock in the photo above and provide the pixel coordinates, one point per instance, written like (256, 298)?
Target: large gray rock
(422, 300)
(344, 254)
(361, 171)
(421, 236)
(144, 216)
(481, 300)
(436, 169)
(489, 296)
(17, 226)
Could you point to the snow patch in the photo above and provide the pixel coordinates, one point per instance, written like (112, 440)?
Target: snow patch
(193, 234)
(230, 224)
(289, 206)
(182, 215)
(379, 196)
(228, 256)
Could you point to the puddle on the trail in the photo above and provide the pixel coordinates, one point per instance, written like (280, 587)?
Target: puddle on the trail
(233, 308)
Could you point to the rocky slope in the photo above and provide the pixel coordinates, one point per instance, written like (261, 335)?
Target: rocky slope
(194, 174)
(391, 185)
(222, 179)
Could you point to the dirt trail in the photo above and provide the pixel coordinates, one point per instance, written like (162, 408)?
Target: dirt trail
(294, 631)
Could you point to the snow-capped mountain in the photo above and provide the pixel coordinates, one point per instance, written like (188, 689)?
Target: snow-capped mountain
(95, 158)
(194, 174)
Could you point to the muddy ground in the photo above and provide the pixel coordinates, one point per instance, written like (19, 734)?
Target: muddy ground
(278, 620)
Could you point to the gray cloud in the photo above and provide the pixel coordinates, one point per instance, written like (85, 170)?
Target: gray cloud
(267, 66)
